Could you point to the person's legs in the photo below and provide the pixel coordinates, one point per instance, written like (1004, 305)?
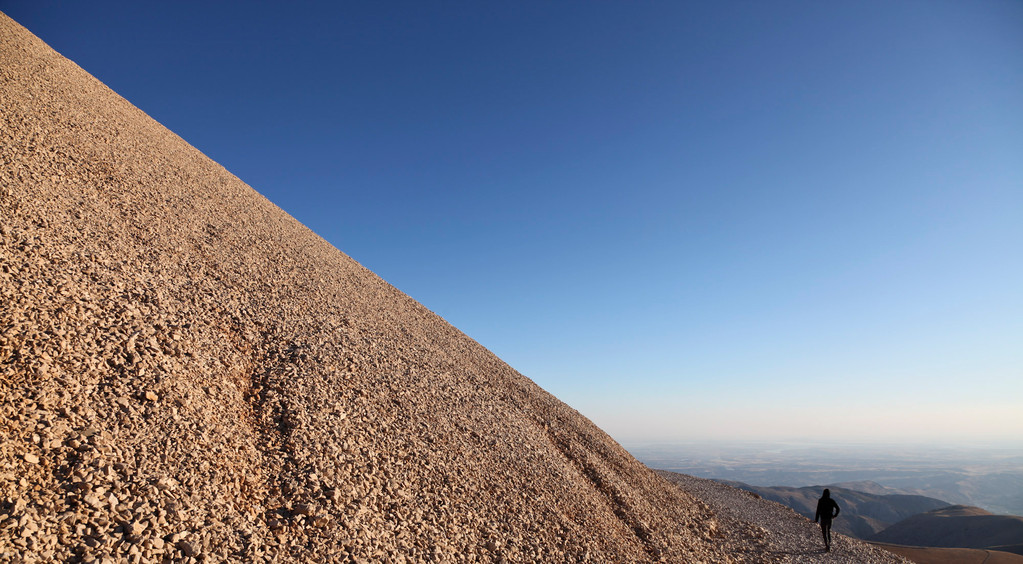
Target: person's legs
(826, 533)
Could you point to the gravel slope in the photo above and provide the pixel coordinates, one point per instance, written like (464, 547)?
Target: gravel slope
(189, 374)
(771, 532)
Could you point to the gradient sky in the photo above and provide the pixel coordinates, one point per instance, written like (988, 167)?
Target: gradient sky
(688, 220)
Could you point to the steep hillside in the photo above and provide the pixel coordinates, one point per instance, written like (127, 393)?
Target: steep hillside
(957, 526)
(863, 514)
(186, 371)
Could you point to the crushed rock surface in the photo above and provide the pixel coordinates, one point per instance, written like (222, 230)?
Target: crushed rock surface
(188, 374)
(767, 531)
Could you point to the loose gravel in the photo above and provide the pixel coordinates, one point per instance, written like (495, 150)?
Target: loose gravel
(188, 374)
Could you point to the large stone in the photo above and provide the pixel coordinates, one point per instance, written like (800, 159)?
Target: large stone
(189, 548)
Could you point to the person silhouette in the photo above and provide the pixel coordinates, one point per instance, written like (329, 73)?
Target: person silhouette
(825, 505)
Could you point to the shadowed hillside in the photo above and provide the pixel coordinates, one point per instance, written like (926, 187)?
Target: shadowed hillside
(953, 555)
(957, 526)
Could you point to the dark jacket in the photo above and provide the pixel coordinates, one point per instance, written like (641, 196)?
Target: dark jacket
(824, 507)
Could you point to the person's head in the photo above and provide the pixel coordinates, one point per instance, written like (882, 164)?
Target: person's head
(827, 492)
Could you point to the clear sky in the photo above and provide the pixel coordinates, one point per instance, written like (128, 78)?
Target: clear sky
(687, 220)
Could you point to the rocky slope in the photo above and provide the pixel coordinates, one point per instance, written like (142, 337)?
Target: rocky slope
(189, 374)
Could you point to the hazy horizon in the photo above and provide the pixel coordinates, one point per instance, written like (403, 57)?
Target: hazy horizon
(984, 475)
(724, 221)
(1011, 444)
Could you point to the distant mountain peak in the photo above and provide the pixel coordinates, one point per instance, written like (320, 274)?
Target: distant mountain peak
(959, 511)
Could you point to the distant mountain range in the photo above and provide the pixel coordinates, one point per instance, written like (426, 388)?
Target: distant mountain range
(990, 477)
(863, 514)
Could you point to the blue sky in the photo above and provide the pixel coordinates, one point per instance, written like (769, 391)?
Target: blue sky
(687, 220)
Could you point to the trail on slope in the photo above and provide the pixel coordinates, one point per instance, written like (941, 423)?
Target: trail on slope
(774, 532)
